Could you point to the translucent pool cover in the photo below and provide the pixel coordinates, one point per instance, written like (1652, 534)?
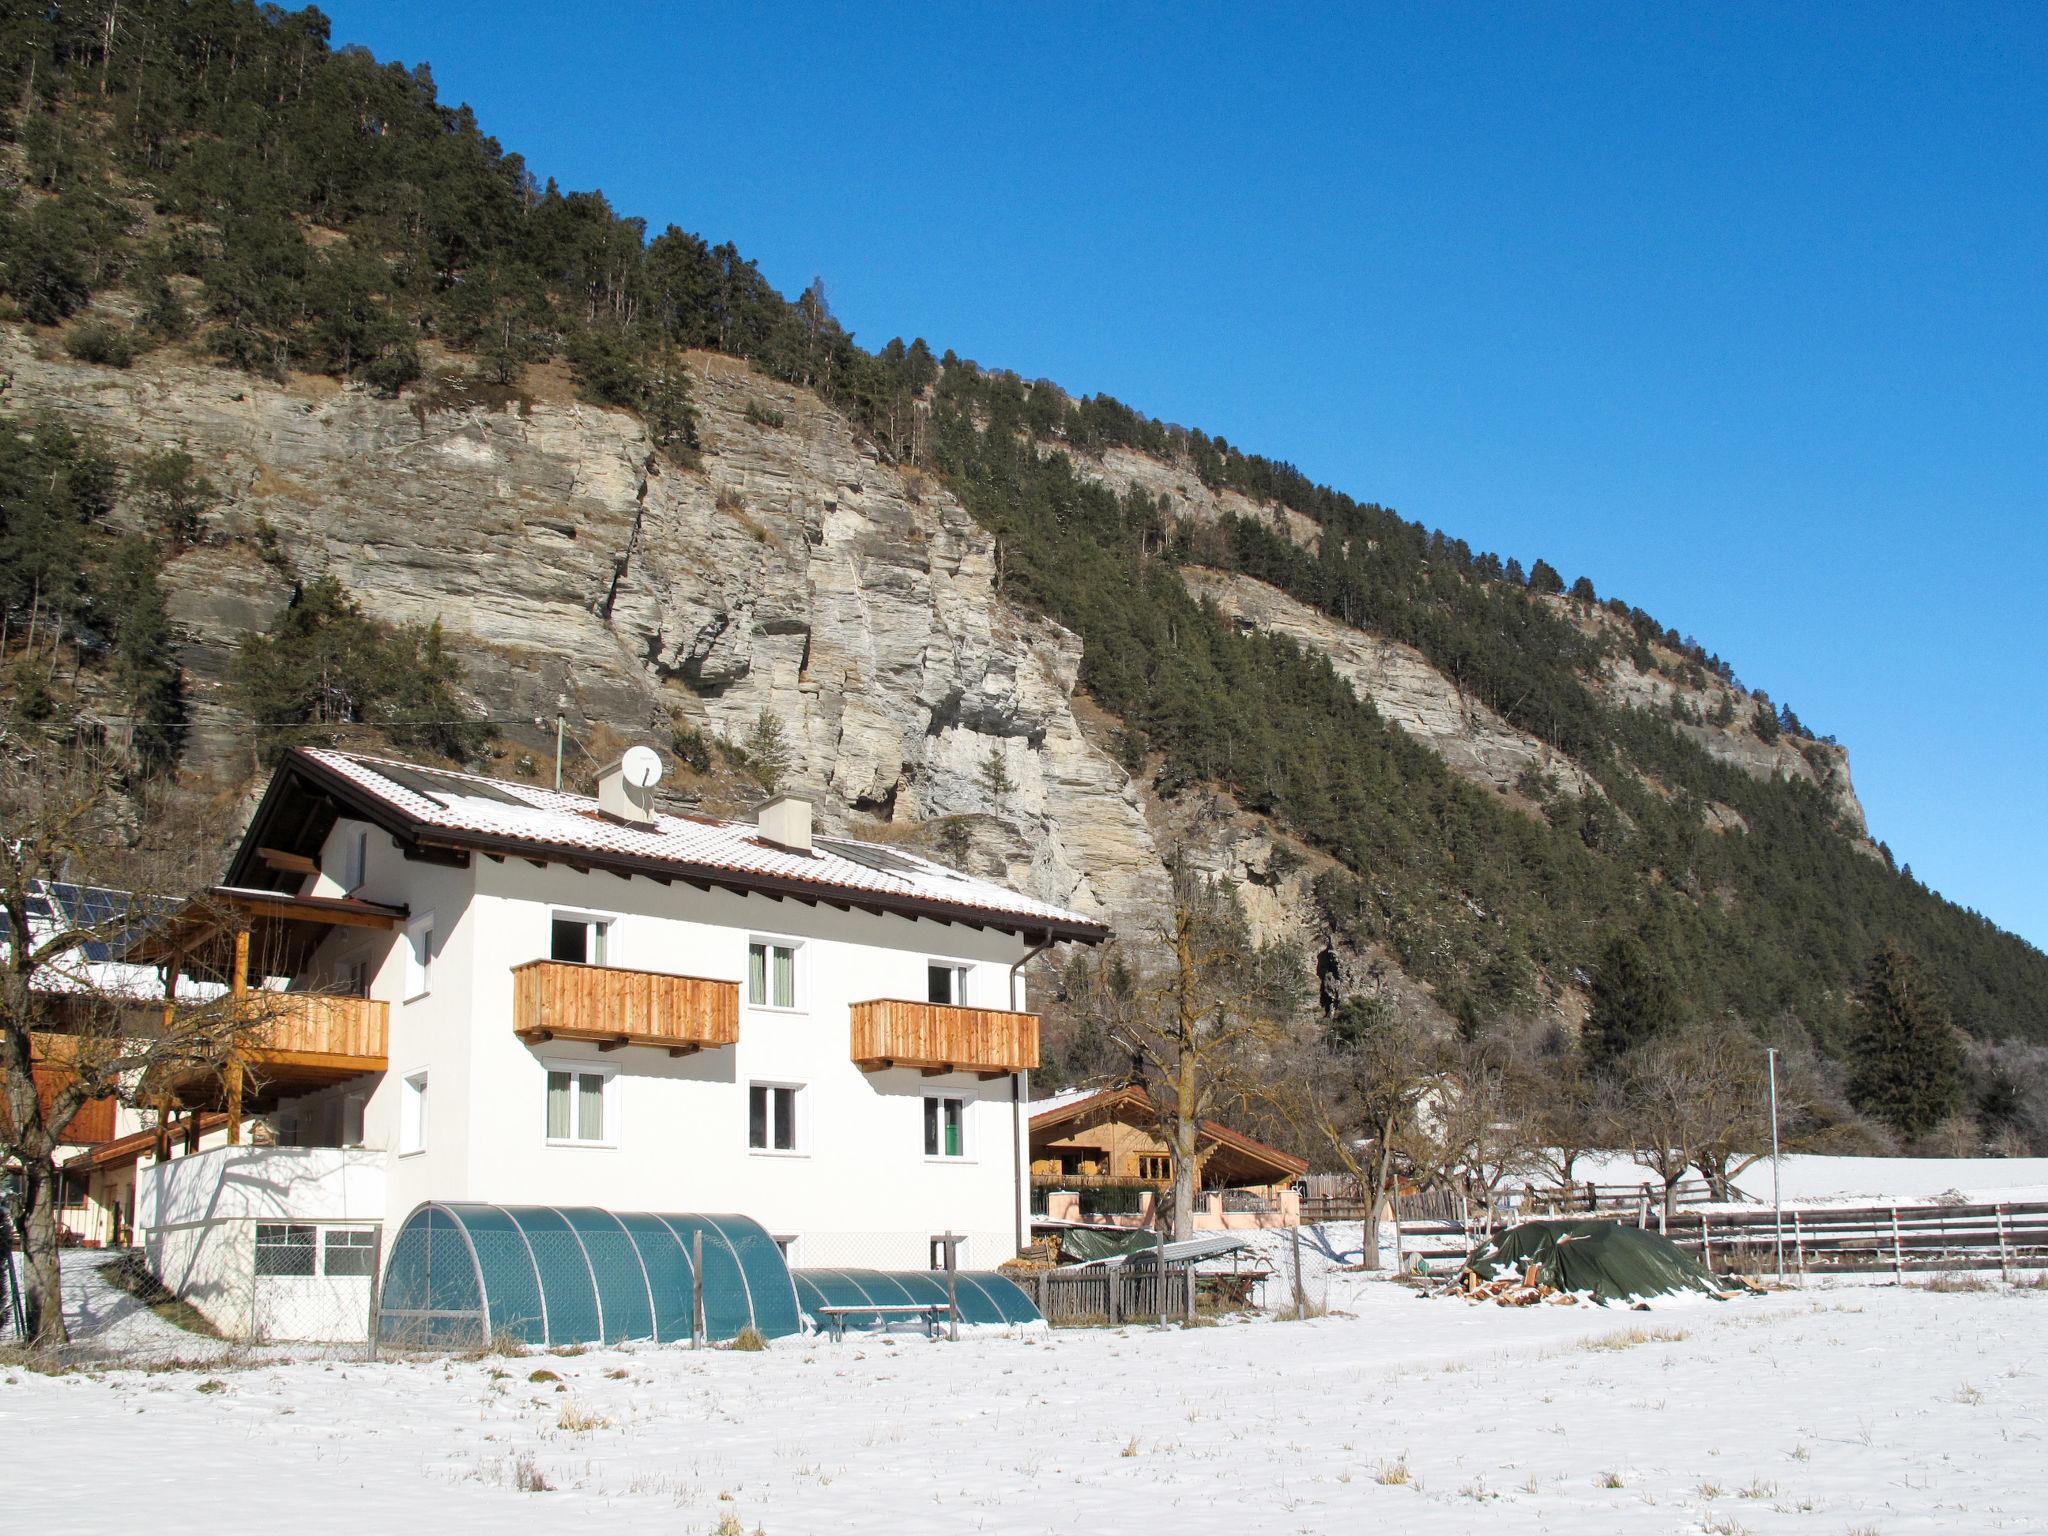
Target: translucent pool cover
(461, 1275)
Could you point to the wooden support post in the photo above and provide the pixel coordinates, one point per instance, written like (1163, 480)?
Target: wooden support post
(1706, 1244)
(2004, 1250)
(239, 989)
(1159, 1280)
(1799, 1246)
(163, 1129)
(1898, 1249)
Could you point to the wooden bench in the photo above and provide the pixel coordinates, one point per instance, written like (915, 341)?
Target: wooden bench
(930, 1312)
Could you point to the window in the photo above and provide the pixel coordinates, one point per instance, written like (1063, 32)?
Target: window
(946, 984)
(412, 1114)
(578, 939)
(1155, 1165)
(355, 977)
(355, 860)
(419, 957)
(352, 1120)
(284, 1248)
(771, 1118)
(771, 974)
(577, 1105)
(348, 1251)
(945, 1127)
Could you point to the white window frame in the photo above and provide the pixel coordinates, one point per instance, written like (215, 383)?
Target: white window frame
(602, 921)
(609, 1099)
(940, 1097)
(370, 1248)
(961, 970)
(414, 1112)
(419, 957)
(798, 988)
(799, 1128)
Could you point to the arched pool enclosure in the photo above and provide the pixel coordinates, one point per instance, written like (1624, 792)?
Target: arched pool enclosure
(461, 1275)
(983, 1297)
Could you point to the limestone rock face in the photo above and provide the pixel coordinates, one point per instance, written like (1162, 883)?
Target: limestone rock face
(575, 569)
(1401, 684)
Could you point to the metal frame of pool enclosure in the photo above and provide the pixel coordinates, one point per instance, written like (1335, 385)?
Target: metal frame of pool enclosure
(463, 1274)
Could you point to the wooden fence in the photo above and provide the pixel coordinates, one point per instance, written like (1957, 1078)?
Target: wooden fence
(1869, 1240)
(1096, 1294)
(1600, 1199)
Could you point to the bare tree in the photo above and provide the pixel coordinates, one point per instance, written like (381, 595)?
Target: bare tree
(1201, 1028)
(1353, 1094)
(86, 1029)
(1474, 1132)
(1695, 1096)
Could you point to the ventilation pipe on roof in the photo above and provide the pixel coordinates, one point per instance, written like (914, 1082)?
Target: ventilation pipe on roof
(785, 821)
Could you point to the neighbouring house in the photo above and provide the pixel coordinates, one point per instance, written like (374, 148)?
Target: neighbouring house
(1097, 1156)
(95, 1199)
(492, 993)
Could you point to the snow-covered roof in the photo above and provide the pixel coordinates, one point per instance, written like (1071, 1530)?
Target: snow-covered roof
(442, 806)
(1060, 1100)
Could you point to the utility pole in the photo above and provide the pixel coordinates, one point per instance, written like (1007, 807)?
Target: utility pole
(559, 730)
(1777, 1180)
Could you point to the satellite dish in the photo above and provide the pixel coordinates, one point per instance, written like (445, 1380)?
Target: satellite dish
(641, 767)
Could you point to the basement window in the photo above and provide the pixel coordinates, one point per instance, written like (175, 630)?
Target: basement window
(284, 1248)
(348, 1251)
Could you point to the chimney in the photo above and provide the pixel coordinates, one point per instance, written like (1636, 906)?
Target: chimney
(785, 821)
(624, 801)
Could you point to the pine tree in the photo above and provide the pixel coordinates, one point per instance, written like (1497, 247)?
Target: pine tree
(1907, 1063)
(1632, 1002)
(995, 775)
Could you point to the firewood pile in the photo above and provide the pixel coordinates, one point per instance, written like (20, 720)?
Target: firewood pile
(1527, 1289)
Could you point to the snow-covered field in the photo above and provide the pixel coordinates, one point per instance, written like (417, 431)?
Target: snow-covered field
(1856, 1409)
(1815, 1180)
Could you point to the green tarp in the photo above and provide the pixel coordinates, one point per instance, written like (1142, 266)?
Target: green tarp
(1081, 1244)
(1609, 1261)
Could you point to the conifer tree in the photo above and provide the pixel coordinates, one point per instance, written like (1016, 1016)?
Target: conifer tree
(1632, 1001)
(1907, 1063)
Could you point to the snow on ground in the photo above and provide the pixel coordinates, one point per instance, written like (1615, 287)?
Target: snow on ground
(1868, 1408)
(1815, 1180)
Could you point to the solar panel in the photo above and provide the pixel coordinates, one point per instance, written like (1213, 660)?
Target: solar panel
(439, 786)
(878, 859)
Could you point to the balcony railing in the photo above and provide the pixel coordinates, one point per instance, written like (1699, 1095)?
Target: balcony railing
(561, 1000)
(937, 1038)
(317, 1030)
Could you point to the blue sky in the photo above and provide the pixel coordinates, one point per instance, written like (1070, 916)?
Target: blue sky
(1740, 311)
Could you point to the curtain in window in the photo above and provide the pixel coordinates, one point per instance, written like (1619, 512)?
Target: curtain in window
(785, 977)
(757, 1117)
(952, 1127)
(931, 1127)
(590, 1107)
(785, 1119)
(558, 1106)
(757, 973)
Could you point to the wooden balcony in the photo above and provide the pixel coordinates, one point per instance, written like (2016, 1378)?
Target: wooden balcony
(936, 1038)
(310, 1033)
(615, 1007)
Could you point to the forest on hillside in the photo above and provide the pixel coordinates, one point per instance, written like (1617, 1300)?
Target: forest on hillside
(217, 177)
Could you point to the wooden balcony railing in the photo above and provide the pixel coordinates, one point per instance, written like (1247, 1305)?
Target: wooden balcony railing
(314, 1030)
(561, 1000)
(936, 1038)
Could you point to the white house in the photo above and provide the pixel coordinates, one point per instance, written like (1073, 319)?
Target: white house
(508, 994)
